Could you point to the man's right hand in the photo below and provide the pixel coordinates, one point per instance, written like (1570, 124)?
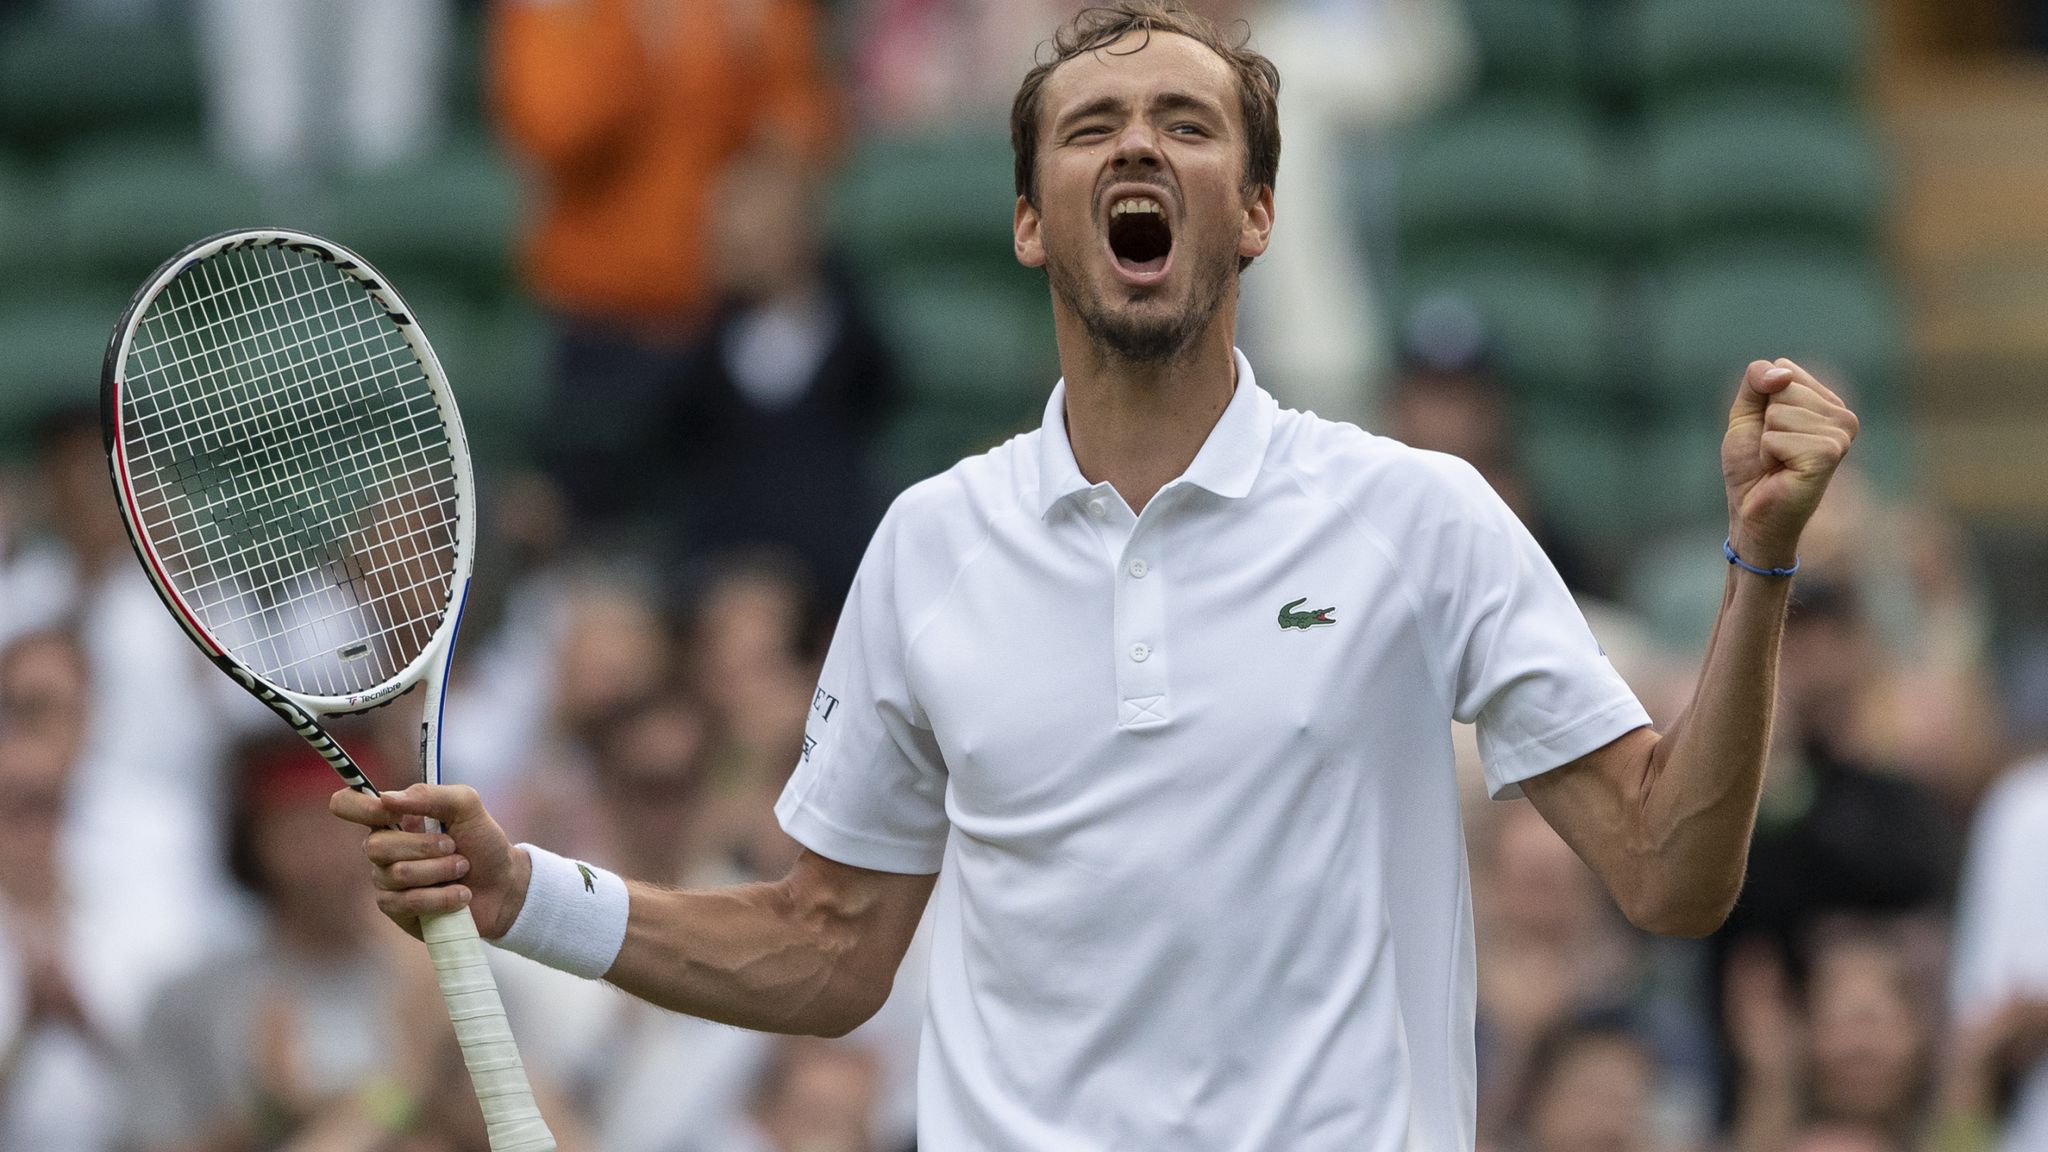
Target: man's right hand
(418, 873)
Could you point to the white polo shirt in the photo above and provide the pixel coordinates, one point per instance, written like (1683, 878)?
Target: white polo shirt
(1187, 779)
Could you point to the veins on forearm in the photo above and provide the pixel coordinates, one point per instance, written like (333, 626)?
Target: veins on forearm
(753, 956)
(1701, 782)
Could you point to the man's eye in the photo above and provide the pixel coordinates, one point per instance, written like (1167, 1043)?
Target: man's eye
(1091, 130)
(1195, 129)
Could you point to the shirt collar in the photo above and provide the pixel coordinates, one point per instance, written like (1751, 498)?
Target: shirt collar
(1227, 464)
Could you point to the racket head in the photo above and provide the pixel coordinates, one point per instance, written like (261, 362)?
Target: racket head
(291, 467)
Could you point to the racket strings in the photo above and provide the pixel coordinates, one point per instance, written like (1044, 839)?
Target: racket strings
(364, 467)
(366, 575)
(312, 593)
(197, 400)
(199, 422)
(278, 271)
(225, 321)
(291, 469)
(422, 538)
(415, 595)
(258, 350)
(239, 558)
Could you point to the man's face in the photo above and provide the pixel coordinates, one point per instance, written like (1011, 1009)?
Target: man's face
(1142, 214)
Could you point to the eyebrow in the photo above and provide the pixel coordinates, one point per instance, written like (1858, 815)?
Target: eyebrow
(1173, 101)
(1186, 102)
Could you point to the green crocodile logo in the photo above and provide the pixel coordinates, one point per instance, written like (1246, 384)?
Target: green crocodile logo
(589, 881)
(1289, 618)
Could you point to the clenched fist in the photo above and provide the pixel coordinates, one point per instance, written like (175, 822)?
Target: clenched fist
(1787, 433)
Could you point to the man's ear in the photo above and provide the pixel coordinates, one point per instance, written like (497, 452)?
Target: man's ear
(1030, 244)
(1257, 230)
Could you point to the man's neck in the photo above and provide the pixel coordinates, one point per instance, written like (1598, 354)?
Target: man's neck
(1139, 425)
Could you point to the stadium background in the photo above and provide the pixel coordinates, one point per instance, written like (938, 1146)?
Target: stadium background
(1545, 234)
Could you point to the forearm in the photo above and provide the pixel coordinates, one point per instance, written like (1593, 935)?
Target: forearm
(814, 952)
(750, 956)
(1701, 786)
(1666, 820)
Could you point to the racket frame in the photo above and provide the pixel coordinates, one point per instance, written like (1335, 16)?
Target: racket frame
(514, 1121)
(298, 708)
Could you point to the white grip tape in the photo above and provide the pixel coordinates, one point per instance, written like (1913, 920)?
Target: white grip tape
(511, 1117)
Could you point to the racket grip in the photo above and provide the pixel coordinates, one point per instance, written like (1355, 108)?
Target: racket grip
(511, 1117)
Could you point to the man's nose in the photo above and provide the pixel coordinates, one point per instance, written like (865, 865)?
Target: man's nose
(1137, 146)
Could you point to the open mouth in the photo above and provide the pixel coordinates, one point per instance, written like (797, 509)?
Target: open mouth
(1139, 236)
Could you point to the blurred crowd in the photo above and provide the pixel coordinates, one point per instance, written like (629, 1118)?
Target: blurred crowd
(190, 957)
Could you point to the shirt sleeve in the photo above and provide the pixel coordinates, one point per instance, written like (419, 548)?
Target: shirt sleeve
(870, 784)
(1525, 667)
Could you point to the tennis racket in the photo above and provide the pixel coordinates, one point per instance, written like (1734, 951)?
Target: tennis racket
(294, 477)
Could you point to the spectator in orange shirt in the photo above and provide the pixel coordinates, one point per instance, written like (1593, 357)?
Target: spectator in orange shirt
(629, 112)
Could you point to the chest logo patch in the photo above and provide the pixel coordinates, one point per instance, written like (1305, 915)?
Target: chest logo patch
(1293, 615)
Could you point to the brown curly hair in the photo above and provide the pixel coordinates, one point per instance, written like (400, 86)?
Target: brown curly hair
(1091, 29)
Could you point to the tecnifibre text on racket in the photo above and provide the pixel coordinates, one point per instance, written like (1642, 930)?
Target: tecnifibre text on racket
(294, 477)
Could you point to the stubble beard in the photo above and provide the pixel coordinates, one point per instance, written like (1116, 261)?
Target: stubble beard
(1142, 339)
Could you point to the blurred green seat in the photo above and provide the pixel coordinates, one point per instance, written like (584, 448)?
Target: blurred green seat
(1833, 310)
(495, 358)
(509, 391)
(963, 336)
(1676, 584)
(912, 199)
(1608, 477)
(22, 223)
(1550, 313)
(467, 83)
(1762, 163)
(1534, 44)
(1680, 44)
(64, 77)
(1580, 464)
(926, 437)
(452, 215)
(1526, 169)
(1678, 466)
(122, 206)
(52, 345)
(977, 358)
(459, 331)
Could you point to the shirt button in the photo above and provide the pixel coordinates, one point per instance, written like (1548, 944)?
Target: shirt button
(1139, 568)
(1140, 653)
(1096, 507)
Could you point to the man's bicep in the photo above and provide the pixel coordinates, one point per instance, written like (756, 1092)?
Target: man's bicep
(1592, 802)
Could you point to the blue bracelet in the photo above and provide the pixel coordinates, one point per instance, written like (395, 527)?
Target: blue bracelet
(1728, 550)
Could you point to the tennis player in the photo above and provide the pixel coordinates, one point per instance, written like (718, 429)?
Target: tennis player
(1160, 696)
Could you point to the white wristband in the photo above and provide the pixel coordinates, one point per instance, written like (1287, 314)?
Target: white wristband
(574, 917)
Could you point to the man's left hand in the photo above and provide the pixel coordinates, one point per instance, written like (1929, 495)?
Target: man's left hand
(1787, 432)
